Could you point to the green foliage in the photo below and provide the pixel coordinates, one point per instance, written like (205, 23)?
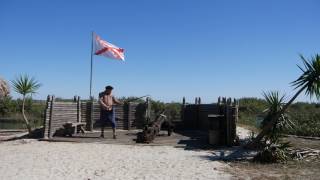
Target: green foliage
(249, 109)
(172, 110)
(274, 150)
(157, 106)
(310, 78)
(60, 99)
(273, 153)
(132, 99)
(275, 103)
(27, 106)
(304, 116)
(25, 85)
(6, 106)
(11, 109)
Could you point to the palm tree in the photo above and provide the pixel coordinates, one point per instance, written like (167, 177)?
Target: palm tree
(309, 82)
(25, 85)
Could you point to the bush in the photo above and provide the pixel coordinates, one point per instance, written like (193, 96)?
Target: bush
(11, 109)
(172, 110)
(6, 106)
(305, 116)
(249, 109)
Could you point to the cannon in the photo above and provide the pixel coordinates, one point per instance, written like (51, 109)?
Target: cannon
(151, 130)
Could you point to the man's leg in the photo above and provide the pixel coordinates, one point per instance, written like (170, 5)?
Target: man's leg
(114, 133)
(102, 130)
(102, 123)
(113, 123)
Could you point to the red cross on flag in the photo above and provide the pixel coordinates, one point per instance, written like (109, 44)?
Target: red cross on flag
(107, 49)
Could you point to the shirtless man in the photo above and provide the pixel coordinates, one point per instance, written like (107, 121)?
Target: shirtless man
(107, 100)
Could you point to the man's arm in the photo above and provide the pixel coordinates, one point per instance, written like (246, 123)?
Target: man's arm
(115, 100)
(103, 105)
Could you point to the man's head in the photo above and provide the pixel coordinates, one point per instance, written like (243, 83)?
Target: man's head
(108, 89)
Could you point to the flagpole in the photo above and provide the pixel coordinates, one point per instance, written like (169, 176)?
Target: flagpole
(91, 65)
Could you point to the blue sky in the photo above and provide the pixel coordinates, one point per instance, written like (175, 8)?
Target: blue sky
(174, 48)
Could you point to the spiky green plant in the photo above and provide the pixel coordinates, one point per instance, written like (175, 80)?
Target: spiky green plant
(309, 82)
(25, 86)
(273, 153)
(275, 103)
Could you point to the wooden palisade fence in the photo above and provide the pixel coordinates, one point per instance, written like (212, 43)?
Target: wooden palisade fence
(128, 116)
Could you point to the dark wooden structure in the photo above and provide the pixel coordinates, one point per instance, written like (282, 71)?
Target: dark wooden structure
(219, 119)
(86, 114)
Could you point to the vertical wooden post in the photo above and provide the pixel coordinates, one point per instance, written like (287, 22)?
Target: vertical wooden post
(78, 109)
(129, 115)
(148, 110)
(91, 113)
(228, 122)
(197, 124)
(235, 119)
(46, 119)
(51, 116)
(183, 109)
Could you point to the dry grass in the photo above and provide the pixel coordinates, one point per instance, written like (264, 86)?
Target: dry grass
(291, 170)
(305, 169)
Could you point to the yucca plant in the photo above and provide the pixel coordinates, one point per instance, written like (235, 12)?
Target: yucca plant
(275, 103)
(273, 153)
(25, 86)
(274, 149)
(309, 82)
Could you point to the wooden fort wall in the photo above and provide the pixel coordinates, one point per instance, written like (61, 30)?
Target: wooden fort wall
(220, 117)
(128, 116)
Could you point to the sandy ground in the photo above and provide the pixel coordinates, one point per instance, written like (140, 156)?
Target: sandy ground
(32, 159)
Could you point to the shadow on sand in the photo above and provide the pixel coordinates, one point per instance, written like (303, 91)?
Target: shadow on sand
(198, 140)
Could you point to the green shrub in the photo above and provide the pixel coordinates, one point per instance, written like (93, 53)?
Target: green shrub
(305, 116)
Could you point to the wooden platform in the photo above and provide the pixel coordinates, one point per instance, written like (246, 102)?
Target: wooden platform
(183, 139)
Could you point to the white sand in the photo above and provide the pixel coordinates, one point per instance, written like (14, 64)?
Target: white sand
(31, 159)
(243, 133)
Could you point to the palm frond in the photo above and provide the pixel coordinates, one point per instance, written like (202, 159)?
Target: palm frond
(310, 78)
(24, 85)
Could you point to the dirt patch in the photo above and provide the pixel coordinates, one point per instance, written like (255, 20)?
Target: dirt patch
(304, 169)
(303, 143)
(291, 170)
